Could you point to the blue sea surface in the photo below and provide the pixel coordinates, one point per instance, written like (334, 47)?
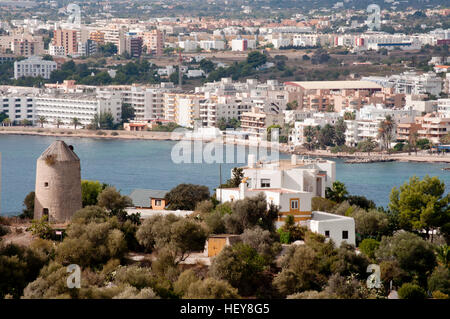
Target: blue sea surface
(130, 164)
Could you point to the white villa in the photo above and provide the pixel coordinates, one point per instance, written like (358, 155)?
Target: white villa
(291, 185)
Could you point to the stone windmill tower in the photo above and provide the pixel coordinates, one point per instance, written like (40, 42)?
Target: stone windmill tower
(58, 183)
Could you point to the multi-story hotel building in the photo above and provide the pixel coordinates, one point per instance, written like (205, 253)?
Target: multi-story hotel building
(318, 95)
(34, 66)
(18, 106)
(83, 106)
(154, 41)
(67, 39)
(433, 127)
(97, 36)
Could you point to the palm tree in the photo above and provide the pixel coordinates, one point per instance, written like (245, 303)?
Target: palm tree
(310, 133)
(443, 255)
(75, 122)
(367, 145)
(337, 193)
(42, 120)
(25, 122)
(58, 122)
(6, 122)
(412, 141)
(386, 132)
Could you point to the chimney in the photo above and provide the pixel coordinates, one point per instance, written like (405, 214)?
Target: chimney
(251, 160)
(243, 188)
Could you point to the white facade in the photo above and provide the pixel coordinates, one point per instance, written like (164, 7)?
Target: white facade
(148, 102)
(335, 227)
(18, 107)
(280, 42)
(66, 107)
(188, 45)
(291, 185)
(56, 50)
(411, 83)
(34, 66)
(195, 73)
(212, 45)
(443, 108)
(239, 45)
(305, 40)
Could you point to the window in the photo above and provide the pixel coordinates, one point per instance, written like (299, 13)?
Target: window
(157, 202)
(265, 182)
(345, 234)
(46, 184)
(294, 203)
(327, 233)
(45, 211)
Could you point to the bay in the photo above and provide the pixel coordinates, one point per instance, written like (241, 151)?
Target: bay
(130, 164)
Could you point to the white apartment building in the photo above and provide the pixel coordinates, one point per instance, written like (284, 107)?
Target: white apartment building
(443, 108)
(411, 83)
(208, 45)
(116, 34)
(281, 42)
(433, 127)
(359, 130)
(84, 107)
(296, 135)
(147, 101)
(182, 108)
(56, 50)
(291, 185)
(188, 45)
(34, 66)
(17, 106)
(257, 121)
(214, 108)
(239, 45)
(368, 120)
(305, 40)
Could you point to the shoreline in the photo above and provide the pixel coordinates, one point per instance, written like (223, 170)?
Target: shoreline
(170, 136)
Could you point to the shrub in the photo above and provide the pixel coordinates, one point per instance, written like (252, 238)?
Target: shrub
(41, 228)
(413, 254)
(251, 212)
(240, 265)
(183, 282)
(310, 294)
(411, 291)
(440, 295)
(18, 267)
(204, 207)
(284, 236)
(368, 247)
(322, 204)
(92, 244)
(181, 235)
(4, 230)
(440, 280)
(262, 241)
(114, 133)
(211, 288)
(186, 196)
